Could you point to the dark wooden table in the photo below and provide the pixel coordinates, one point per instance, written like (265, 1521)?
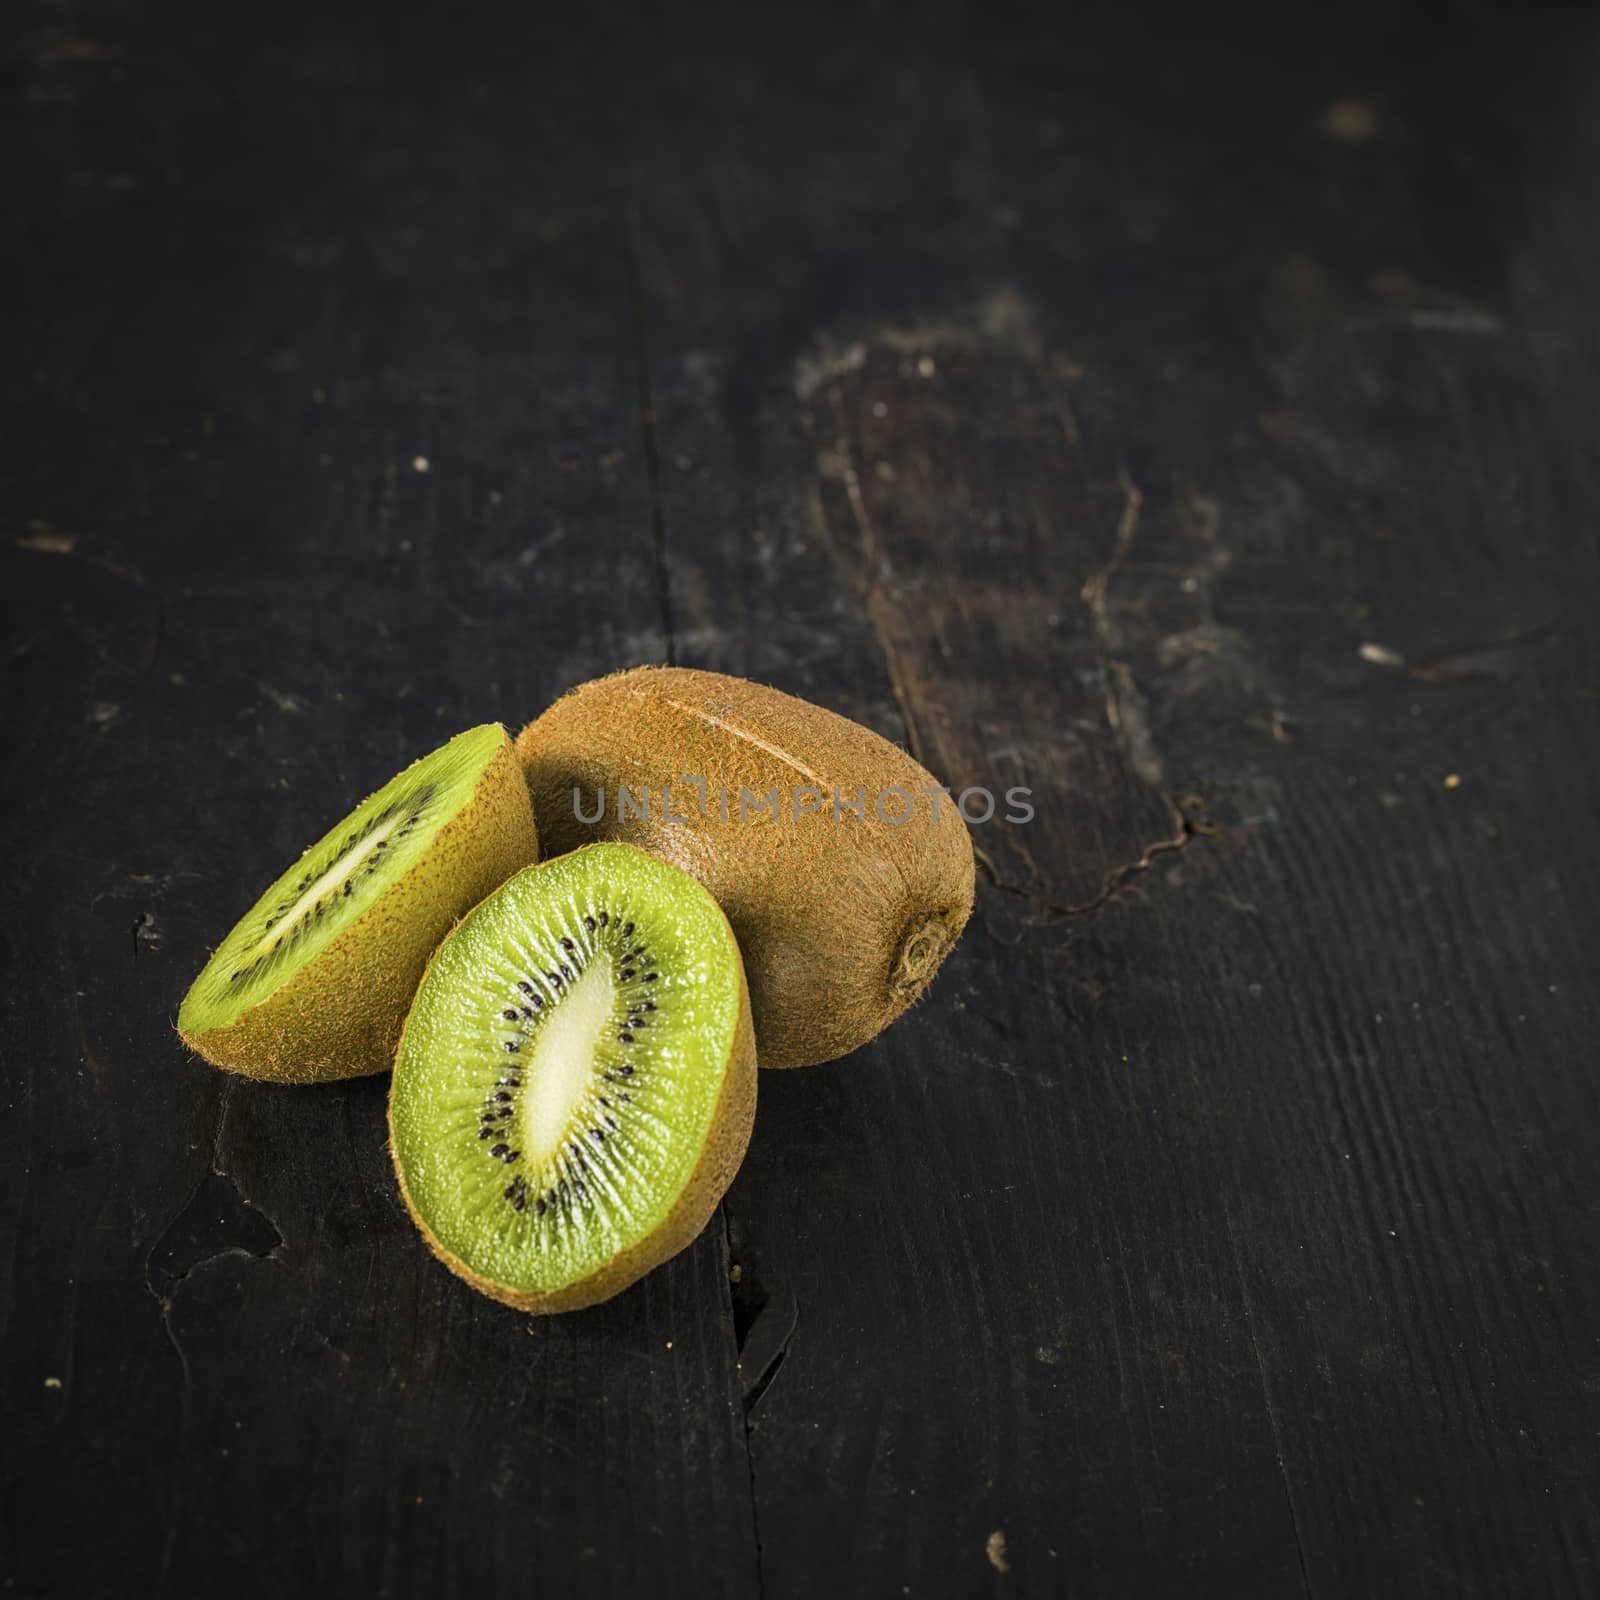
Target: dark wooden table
(1196, 423)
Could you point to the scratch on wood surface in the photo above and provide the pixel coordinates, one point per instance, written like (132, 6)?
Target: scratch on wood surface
(1098, 584)
(879, 612)
(1467, 661)
(1266, 1398)
(897, 686)
(876, 565)
(1070, 431)
(1125, 714)
(1124, 707)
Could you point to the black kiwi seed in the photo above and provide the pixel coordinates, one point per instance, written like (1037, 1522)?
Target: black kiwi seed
(498, 1149)
(588, 923)
(539, 1208)
(483, 1133)
(627, 930)
(509, 1014)
(626, 1070)
(627, 972)
(502, 1097)
(625, 1038)
(524, 986)
(567, 944)
(650, 977)
(603, 919)
(512, 1045)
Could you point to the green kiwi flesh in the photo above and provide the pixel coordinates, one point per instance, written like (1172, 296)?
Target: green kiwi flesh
(314, 981)
(576, 1080)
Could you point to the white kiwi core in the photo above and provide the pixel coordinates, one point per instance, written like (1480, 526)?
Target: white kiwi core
(559, 1072)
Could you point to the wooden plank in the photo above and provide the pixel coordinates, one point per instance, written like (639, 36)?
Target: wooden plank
(1162, 1145)
(1223, 1221)
(313, 470)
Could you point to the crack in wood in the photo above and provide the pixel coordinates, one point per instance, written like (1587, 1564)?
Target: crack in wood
(648, 427)
(1189, 828)
(192, 1237)
(740, 1330)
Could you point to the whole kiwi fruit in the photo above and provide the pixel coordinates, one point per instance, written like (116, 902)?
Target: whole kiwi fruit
(314, 981)
(576, 1081)
(845, 894)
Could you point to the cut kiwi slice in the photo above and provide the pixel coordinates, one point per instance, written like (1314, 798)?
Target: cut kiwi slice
(314, 982)
(576, 1082)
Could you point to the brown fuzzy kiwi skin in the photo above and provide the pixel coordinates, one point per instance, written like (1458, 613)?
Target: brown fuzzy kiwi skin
(842, 923)
(341, 1014)
(723, 1151)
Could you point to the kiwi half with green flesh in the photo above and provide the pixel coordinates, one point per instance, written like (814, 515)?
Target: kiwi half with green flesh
(576, 1083)
(315, 980)
(843, 917)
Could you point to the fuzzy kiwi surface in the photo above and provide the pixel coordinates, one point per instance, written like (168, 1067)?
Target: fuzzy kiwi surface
(577, 1079)
(842, 918)
(314, 982)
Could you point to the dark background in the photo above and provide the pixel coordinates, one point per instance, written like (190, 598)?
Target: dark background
(1192, 420)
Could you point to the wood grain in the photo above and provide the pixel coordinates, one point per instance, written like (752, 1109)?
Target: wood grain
(1191, 423)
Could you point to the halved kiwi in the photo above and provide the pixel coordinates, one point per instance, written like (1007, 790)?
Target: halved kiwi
(314, 982)
(576, 1082)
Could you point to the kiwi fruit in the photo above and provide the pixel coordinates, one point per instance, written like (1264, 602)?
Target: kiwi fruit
(845, 893)
(576, 1081)
(314, 982)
